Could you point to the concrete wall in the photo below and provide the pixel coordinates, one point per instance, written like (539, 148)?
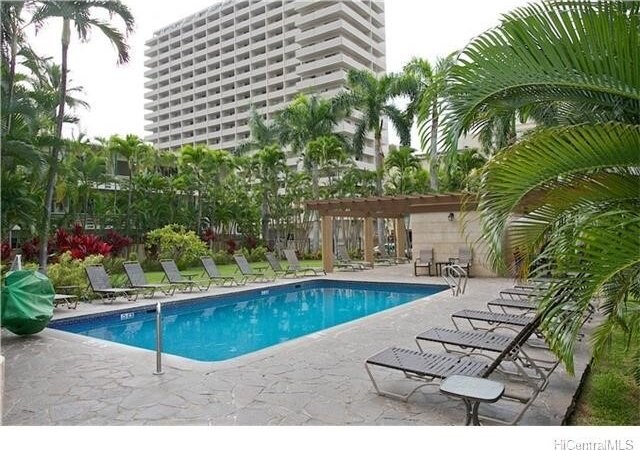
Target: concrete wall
(446, 237)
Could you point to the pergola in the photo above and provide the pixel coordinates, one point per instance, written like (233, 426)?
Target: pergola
(389, 207)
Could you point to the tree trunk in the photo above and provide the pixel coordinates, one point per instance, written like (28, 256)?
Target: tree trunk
(199, 216)
(433, 152)
(264, 211)
(12, 76)
(86, 206)
(55, 150)
(129, 201)
(315, 227)
(379, 161)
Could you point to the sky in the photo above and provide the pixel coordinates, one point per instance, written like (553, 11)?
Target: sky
(428, 29)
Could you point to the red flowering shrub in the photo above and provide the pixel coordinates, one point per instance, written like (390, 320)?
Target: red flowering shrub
(250, 242)
(5, 251)
(79, 244)
(88, 244)
(117, 241)
(30, 250)
(231, 246)
(208, 235)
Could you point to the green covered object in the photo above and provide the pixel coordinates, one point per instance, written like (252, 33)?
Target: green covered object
(27, 302)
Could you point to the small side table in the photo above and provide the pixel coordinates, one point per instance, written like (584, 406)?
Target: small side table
(440, 265)
(472, 391)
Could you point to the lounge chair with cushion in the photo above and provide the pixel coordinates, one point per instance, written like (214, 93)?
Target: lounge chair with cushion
(101, 285)
(277, 268)
(138, 280)
(431, 368)
(294, 264)
(174, 277)
(424, 260)
(212, 271)
(246, 270)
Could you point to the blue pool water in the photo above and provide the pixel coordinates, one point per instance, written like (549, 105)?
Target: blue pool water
(223, 327)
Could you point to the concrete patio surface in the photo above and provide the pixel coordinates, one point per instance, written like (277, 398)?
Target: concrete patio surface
(58, 378)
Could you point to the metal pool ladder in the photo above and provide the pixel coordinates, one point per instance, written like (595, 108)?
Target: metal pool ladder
(456, 277)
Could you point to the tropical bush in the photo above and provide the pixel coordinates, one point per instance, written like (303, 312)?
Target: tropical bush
(175, 242)
(114, 265)
(70, 271)
(221, 257)
(564, 197)
(117, 241)
(256, 254)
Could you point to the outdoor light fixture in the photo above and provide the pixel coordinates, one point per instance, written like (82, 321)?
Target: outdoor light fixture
(451, 217)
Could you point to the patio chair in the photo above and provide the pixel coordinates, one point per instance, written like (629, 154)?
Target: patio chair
(382, 257)
(212, 271)
(101, 285)
(174, 277)
(469, 343)
(248, 272)
(424, 260)
(277, 268)
(70, 301)
(431, 368)
(464, 259)
(510, 303)
(493, 319)
(294, 264)
(521, 293)
(343, 259)
(138, 280)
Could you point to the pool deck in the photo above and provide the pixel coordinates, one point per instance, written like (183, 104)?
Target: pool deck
(57, 378)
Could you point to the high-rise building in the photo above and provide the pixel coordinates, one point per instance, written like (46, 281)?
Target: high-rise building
(207, 71)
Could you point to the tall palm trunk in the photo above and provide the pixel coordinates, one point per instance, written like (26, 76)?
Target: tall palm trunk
(86, 206)
(315, 226)
(264, 212)
(12, 76)
(379, 161)
(129, 201)
(199, 215)
(55, 150)
(433, 152)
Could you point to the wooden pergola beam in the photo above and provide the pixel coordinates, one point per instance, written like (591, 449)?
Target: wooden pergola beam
(392, 207)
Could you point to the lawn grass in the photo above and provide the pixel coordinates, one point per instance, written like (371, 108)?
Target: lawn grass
(610, 395)
(226, 270)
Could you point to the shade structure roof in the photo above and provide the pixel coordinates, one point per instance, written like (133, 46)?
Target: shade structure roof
(394, 206)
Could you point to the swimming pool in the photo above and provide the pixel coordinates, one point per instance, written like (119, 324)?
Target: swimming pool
(229, 325)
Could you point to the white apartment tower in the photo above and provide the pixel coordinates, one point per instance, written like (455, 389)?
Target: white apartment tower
(206, 71)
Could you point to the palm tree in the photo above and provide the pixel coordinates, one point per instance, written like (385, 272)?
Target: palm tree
(565, 197)
(89, 165)
(405, 164)
(262, 134)
(13, 40)
(270, 162)
(326, 154)
(428, 102)
(373, 97)
(302, 121)
(81, 14)
(137, 154)
(196, 164)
